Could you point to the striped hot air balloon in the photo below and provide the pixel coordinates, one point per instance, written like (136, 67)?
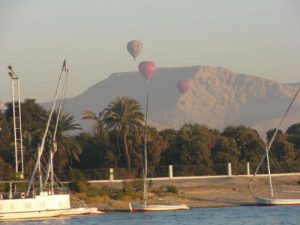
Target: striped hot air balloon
(134, 48)
(147, 69)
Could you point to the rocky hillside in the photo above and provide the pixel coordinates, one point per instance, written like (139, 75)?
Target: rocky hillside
(217, 97)
(295, 84)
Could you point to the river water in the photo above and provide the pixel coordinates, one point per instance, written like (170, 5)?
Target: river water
(247, 215)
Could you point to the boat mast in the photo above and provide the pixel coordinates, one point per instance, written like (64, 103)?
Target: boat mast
(268, 147)
(41, 148)
(49, 170)
(16, 105)
(145, 154)
(269, 175)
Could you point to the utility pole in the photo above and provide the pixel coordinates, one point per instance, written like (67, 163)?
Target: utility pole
(16, 104)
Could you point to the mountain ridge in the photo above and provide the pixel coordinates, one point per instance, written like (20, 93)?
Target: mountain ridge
(217, 97)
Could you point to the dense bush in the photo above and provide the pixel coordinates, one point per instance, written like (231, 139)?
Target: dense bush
(78, 182)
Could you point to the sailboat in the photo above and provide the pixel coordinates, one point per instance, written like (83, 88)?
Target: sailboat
(273, 200)
(47, 200)
(145, 207)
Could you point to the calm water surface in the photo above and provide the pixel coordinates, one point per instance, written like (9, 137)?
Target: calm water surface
(248, 215)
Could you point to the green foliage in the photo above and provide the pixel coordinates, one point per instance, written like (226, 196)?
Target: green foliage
(295, 140)
(172, 189)
(124, 116)
(155, 147)
(34, 116)
(94, 153)
(125, 193)
(286, 147)
(78, 182)
(99, 131)
(293, 136)
(129, 190)
(169, 135)
(105, 190)
(68, 147)
(248, 141)
(134, 185)
(5, 170)
(168, 139)
(3, 188)
(93, 191)
(150, 183)
(169, 189)
(226, 150)
(270, 134)
(118, 141)
(283, 150)
(194, 144)
(293, 129)
(6, 133)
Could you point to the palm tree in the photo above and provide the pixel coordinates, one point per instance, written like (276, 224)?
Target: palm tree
(123, 115)
(68, 147)
(99, 127)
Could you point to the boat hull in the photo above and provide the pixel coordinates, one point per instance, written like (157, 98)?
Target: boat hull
(82, 211)
(276, 201)
(156, 208)
(41, 206)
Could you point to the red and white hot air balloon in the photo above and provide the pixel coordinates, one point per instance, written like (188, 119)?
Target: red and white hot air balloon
(147, 69)
(134, 48)
(183, 86)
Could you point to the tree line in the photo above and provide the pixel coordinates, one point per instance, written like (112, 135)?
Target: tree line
(117, 141)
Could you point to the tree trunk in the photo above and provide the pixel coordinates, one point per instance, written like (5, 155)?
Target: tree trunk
(128, 159)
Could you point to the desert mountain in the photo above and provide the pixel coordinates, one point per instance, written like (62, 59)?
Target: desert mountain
(295, 84)
(217, 97)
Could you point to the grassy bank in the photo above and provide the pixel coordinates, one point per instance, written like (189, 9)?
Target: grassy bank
(208, 192)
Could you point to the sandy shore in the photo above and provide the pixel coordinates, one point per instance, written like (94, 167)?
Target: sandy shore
(208, 192)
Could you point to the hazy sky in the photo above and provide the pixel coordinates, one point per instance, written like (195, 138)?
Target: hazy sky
(258, 37)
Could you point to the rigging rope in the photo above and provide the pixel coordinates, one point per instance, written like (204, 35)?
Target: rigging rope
(41, 148)
(268, 146)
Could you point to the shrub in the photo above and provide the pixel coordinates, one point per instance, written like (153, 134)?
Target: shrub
(78, 181)
(135, 185)
(171, 189)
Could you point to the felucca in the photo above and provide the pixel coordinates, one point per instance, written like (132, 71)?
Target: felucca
(49, 199)
(145, 207)
(274, 198)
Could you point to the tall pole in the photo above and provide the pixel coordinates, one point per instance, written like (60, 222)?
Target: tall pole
(269, 174)
(145, 153)
(147, 69)
(16, 105)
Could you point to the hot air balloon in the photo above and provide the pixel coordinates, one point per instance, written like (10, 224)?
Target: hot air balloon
(134, 48)
(183, 86)
(147, 69)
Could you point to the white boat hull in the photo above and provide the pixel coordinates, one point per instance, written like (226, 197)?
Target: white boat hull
(41, 206)
(156, 208)
(277, 201)
(82, 211)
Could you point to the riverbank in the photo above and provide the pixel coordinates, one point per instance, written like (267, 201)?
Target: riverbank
(202, 192)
